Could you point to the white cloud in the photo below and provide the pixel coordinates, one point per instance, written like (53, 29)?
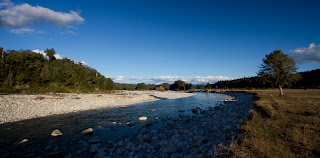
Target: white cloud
(40, 52)
(193, 80)
(6, 3)
(25, 15)
(21, 31)
(169, 79)
(84, 63)
(307, 54)
(123, 79)
(57, 56)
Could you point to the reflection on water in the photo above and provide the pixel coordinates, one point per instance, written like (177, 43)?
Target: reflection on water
(108, 124)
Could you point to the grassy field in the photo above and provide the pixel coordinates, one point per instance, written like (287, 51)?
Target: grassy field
(281, 126)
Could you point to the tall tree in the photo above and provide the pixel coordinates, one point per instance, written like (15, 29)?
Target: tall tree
(208, 86)
(279, 69)
(50, 53)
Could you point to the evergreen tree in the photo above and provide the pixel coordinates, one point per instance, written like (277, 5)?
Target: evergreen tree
(279, 69)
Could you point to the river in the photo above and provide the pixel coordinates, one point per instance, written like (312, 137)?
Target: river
(108, 124)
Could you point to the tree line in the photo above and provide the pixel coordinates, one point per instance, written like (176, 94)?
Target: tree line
(308, 80)
(177, 86)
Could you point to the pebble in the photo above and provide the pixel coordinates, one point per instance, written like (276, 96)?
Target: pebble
(143, 118)
(23, 141)
(56, 133)
(87, 131)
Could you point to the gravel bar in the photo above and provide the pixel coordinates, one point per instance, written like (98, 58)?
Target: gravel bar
(20, 107)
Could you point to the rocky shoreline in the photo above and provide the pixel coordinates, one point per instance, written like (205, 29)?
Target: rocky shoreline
(208, 133)
(21, 107)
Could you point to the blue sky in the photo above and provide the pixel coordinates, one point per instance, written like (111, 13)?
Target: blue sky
(160, 41)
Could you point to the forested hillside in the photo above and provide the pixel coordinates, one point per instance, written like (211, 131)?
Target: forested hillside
(27, 71)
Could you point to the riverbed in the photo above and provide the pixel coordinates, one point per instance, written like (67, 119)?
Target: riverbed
(171, 129)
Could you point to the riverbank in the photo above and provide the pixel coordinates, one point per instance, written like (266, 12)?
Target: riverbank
(282, 126)
(20, 107)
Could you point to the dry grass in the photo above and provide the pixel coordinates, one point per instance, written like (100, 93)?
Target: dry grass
(282, 126)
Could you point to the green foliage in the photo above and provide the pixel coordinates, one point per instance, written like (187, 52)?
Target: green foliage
(166, 86)
(178, 85)
(122, 86)
(279, 69)
(189, 86)
(201, 86)
(29, 71)
(160, 88)
(142, 86)
(50, 53)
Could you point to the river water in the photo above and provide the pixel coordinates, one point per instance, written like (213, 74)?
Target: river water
(108, 124)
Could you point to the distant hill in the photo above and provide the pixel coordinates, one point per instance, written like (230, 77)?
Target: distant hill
(310, 79)
(30, 72)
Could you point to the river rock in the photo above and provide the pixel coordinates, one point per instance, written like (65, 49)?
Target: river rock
(149, 122)
(153, 132)
(87, 131)
(195, 110)
(94, 148)
(143, 118)
(101, 153)
(56, 133)
(95, 140)
(23, 141)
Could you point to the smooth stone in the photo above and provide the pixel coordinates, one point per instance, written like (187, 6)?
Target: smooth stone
(23, 141)
(87, 131)
(143, 118)
(56, 133)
